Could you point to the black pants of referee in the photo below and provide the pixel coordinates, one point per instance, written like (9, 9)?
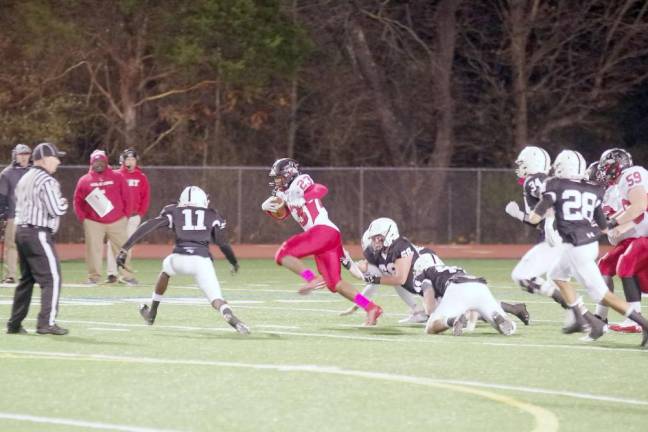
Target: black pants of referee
(38, 264)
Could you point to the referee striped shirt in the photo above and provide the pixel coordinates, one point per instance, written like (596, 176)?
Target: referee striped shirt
(39, 201)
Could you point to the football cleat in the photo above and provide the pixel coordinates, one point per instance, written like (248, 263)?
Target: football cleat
(597, 327)
(315, 284)
(644, 339)
(236, 323)
(145, 312)
(372, 315)
(459, 325)
(503, 325)
(520, 311)
(417, 317)
(626, 327)
(349, 311)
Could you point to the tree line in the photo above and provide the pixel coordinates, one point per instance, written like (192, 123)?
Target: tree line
(363, 82)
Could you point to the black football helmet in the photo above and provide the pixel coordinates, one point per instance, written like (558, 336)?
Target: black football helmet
(129, 152)
(594, 174)
(283, 172)
(612, 164)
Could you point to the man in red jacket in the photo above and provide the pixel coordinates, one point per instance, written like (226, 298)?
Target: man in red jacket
(140, 197)
(102, 204)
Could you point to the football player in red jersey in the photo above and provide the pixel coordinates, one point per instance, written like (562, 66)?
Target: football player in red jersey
(628, 186)
(321, 237)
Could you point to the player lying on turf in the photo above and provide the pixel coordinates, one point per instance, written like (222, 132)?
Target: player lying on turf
(297, 194)
(358, 269)
(459, 293)
(580, 220)
(396, 257)
(194, 225)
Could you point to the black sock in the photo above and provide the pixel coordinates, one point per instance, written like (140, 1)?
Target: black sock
(631, 289)
(508, 307)
(154, 307)
(558, 298)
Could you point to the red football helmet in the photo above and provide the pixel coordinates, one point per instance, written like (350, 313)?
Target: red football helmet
(612, 164)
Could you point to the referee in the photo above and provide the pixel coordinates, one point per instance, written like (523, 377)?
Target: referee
(39, 206)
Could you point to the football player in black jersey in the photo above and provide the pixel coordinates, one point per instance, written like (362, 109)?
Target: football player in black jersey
(417, 313)
(580, 221)
(533, 164)
(457, 293)
(395, 256)
(195, 225)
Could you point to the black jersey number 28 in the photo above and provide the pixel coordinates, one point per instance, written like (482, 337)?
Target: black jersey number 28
(578, 205)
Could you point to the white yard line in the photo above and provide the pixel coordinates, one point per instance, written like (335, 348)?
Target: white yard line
(77, 423)
(321, 369)
(544, 420)
(109, 329)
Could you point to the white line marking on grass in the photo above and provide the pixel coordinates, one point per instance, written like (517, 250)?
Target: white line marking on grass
(285, 327)
(305, 301)
(109, 329)
(78, 423)
(544, 420)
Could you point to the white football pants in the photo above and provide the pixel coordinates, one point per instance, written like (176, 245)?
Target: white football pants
(201, 268)
(580, 262)
(536, 262)
(460, 297)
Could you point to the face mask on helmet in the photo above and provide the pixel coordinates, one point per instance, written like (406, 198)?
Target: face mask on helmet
(532, 160)
(383, 232)
(570, 164)
(193, 196)
(283, 172)
(612, 164)
(593, 173)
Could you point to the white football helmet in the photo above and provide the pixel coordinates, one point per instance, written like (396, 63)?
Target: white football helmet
(366, 240)
(570, 164)
(193, 196)
(532, 160)
(385, 227)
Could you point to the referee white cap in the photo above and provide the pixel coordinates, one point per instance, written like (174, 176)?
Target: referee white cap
(46, 149)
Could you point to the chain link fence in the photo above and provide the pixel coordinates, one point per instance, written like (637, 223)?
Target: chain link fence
(469, 207)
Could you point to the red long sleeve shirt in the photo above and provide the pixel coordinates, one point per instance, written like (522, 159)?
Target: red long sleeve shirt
(114, 187)
(138, 188)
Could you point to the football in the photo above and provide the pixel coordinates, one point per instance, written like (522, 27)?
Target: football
(282, 212)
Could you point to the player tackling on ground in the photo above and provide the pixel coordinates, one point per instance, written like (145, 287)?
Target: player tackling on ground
(195, 225)
(321, 237)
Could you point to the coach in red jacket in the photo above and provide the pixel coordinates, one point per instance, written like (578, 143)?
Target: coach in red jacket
(102, 204)
(140, 196)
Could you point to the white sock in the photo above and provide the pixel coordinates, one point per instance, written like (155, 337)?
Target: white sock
(370, 290)
(602, 310)
(407, 297)
(548, 288)
(635, 306)
(157, 297)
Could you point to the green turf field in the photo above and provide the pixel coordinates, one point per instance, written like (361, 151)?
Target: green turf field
(304, 368)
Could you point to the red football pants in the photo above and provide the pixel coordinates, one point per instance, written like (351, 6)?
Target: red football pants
(325, 244)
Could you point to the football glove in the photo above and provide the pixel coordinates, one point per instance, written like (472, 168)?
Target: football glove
(121, 258)
(371, 279)
(272, 204)
(512, 209)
